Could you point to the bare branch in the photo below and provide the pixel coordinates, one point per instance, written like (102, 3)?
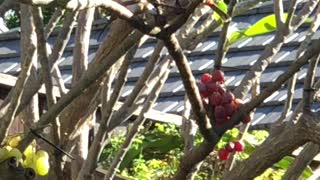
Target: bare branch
(53, 21)
(302, 161)
(222, 46)
(292, 10)
(88, 78)
(8, 115)
(82, 43)
(278, 11)
(137, 124)
(291, 84)
(303, 14)
(142, 81)
(60, 45)
(266, 56)
(90, 164)
(308, 83)
(191, 88)
(6, 6)
(51, 99)
(188, 129)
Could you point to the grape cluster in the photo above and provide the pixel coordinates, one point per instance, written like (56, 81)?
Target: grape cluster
(38, 161)
(237, 146)
(219, 102)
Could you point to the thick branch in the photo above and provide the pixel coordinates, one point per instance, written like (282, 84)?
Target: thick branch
(191, 88)
(302, 161)
(89, 77)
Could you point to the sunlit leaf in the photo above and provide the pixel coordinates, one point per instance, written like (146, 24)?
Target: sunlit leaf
(265, 25)
(222, 6)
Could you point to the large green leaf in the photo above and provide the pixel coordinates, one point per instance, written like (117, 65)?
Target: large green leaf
(265, 25)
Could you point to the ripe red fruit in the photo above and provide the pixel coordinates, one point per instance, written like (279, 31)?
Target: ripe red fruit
(212, 87)
(206, 78)
(221, 90)
(238, 146)
(230, 147)
(215, 99)
(203, 90)
(219, 112)
(247, 119)
(228, 97)
(218, 76)
(229, 109)
(223, 154)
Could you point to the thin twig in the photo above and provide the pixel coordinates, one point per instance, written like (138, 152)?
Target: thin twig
(53, 22)
(7, 115)
(89, 77)
(153, 60)
(59, 47)
(137, 124)
(278, 11)
(308, 89)
(292, 82)
(222, 46)
(90, 164)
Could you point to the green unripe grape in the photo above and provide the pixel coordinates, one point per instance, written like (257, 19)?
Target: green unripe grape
(7, 148)
(3, 153)
(15, 153)
(42, 166)
(43, 154)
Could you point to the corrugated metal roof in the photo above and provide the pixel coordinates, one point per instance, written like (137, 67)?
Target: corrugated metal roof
(241, 55)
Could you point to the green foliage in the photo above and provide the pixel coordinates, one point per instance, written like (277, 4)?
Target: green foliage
(154, 153)
(222, 6)
(263, 26)
(229, 136)
(12, 17)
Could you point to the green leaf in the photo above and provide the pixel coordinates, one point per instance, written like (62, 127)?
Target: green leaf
(264, 25)
(222, 6)
(284, 163)
(307, 173)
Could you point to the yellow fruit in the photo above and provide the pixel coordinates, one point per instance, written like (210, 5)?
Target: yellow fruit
(14, 142)
(15, 153)
(43, 154)
(29, 151)
(42, 166)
